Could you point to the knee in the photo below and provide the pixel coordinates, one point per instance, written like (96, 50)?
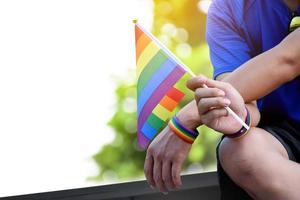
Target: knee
(251, 163)
(239, 159)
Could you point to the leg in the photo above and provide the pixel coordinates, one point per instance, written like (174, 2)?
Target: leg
(260, 165)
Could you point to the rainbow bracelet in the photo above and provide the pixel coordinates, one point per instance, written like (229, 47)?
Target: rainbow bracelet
(181, 131)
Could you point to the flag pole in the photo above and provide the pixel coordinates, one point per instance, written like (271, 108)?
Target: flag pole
(234, 115)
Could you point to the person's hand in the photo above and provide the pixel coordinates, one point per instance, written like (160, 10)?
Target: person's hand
(211, 103)
(164, 160)
(167, 153)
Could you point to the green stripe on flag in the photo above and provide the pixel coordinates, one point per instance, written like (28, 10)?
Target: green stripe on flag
(154, 64)
(155, 121)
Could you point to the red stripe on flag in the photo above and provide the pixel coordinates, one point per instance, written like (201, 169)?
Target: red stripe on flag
(175, 94)
(156, 97)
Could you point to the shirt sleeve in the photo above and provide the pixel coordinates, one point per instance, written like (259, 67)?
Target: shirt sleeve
(228, 49)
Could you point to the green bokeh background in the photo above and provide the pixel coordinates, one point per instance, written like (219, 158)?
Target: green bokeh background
(180, 25)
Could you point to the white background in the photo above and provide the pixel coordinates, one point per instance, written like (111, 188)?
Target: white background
(57, 60)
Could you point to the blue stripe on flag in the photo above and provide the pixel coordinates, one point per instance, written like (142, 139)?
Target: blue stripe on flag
(148, 131)
(160, 75)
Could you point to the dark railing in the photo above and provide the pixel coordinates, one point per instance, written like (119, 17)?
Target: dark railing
(196, 186)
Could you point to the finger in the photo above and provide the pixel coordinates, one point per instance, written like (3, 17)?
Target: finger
(196, 82)
(157, 175)
(176, 169)
(213, 114)
(200, 81)
(167, 175)
(148, 170)
(218, 84)
(206, 104)
(208, 92)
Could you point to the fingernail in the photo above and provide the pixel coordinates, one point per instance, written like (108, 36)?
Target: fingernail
(227, 102)
(221, 93)
(201, 78)
(152, 187)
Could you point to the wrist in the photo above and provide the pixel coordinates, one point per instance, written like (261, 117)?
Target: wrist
(181, 131)
(189, 118)
(243, 116)
(244, 130)
(245, 112)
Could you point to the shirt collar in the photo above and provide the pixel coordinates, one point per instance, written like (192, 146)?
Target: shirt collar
(281, 7)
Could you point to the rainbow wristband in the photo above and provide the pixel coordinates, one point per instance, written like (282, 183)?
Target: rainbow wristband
(181, 131)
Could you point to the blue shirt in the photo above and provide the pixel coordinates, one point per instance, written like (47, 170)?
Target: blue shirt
(238, 30)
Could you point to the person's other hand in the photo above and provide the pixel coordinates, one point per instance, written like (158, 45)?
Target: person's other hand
(164, 159)
(167, 152)
(211, 103)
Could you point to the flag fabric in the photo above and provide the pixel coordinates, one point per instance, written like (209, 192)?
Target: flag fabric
(158, 71)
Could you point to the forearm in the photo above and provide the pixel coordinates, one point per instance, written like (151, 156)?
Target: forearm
(257, 77)
(189, 115)
(264, 73)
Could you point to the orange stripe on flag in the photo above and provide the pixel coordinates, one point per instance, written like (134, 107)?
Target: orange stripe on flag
(168, 103)
(138, 33)
(175, 94)
(141, 44)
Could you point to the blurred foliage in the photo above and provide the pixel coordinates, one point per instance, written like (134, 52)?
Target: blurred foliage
(180, 25)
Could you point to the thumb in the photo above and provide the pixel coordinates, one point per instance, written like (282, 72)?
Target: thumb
(196, 82)
(202, 81)
(217, 84)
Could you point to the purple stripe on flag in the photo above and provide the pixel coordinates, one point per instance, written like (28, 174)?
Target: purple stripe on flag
(157, 78)
(159, 93)
(142, 140)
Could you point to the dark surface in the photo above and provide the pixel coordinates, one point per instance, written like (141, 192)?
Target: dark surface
(196, 186)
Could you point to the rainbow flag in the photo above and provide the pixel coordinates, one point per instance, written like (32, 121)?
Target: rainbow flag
(158, 70)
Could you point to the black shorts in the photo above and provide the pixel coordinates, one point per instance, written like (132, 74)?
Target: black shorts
(287, 132)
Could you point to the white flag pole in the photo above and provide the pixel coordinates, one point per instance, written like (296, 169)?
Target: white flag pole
(169, 53)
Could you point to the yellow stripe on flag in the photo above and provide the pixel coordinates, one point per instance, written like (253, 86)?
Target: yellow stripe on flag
(161, 112)
(146, 56)
(141, 44)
